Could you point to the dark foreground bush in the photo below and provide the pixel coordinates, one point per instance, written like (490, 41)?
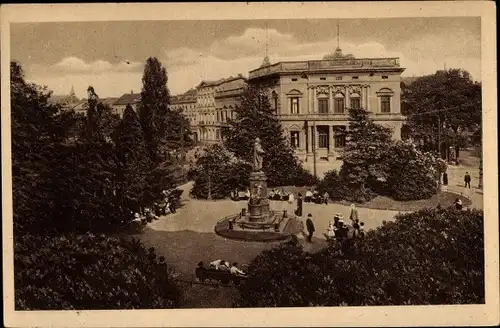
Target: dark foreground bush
(426, 257)
(89, 272)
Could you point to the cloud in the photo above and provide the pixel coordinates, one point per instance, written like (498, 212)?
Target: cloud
(74, 65)
(236, 54)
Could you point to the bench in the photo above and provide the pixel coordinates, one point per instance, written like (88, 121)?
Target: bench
(225, 277)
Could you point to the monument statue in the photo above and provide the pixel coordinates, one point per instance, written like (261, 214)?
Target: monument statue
(258, 152)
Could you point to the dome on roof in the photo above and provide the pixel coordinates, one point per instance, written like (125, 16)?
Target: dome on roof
(266, 62)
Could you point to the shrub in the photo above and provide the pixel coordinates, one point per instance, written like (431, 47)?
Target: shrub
(425, 257)
(89, 272)
(332, 184)
(413, 174)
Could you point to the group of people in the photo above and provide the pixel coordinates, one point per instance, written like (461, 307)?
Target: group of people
(238, 195)
(338, 229)
(168, 203)
(222, 265)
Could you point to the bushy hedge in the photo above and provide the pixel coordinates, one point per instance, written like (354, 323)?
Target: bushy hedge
(412, 174)
(425, 257)
(89, 272)
(338, 189)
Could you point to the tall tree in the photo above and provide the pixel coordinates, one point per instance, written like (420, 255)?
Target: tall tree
(132, 158)
(256, 118)
(153, 109)
(32, 133)
(364, 153)
(450, 98)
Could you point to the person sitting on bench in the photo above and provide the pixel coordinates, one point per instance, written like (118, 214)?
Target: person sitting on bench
(308, 197)
(234, 270)
(316, 198)
(219, 265)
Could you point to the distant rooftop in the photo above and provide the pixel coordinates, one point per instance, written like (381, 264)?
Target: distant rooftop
(220, 81)
(128, 98)
(186, 97)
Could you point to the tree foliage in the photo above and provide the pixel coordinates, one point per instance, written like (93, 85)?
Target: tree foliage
(413, 174)
(133, 160)
(164, 130)
(364, 157)
(89, 272)
(221, 172)
(452, 98)
(256, 119)
(422, 258)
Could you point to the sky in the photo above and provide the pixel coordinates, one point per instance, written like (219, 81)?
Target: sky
(110, 56)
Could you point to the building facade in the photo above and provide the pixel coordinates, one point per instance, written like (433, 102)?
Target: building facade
(215, 104)
(132, 99)
(312, 98)
(186, 104)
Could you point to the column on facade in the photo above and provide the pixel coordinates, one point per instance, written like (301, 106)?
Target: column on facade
(367, 98)
(331, 140)
(347, 97)
(316, 138)
(362, 97)
(330, 94)
(309, 139)
(310, 99)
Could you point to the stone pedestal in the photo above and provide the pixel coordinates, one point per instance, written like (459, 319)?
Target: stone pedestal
(258, 204)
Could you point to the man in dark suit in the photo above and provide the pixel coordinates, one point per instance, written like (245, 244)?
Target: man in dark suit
(467, 180)
(310, 227)
(298, 211)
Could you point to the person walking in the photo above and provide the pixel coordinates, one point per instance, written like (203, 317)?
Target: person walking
(353, 216)
(326, 197)
(310, 227)
(467, 180)
(445, 179)
(298, 211)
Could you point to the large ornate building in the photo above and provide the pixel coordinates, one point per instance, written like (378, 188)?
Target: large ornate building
(312, 98)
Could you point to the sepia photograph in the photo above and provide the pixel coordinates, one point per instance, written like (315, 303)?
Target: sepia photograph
(233, 163)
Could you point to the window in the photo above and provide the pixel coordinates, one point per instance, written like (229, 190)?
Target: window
(295, 139)
(323, 105)
(355, 103)
(217, 134)
(294, 105)
(355, 77)
(385, 104)
(323, 136)
(339, 104)
(322, 78)
(338, 78)
(339, 137)
(293, 80)
(385, 77)
(217, 116)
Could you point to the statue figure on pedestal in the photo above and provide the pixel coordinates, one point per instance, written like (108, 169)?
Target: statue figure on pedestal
(258, 153)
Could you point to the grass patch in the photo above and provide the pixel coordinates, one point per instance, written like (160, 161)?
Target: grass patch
(446, 199)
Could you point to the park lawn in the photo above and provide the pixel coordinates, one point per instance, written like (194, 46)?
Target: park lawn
(444, 198)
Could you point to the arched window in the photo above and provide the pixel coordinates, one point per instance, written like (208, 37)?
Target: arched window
(339, 103)
(355, 100)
